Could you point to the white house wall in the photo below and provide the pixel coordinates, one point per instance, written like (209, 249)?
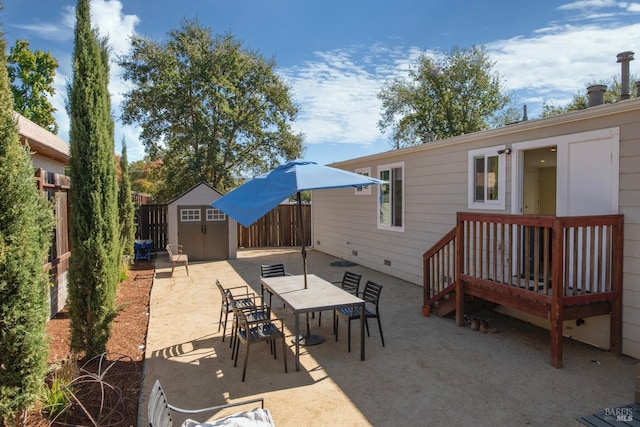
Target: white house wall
(435, 183)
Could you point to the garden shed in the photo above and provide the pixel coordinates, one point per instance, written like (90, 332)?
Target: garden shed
(204, 232)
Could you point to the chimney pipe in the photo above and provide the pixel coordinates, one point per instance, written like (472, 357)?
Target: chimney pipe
(524, 113)
(596, 95)
(637, 89)
(624, 58)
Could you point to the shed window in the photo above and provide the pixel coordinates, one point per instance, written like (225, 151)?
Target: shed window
(190, 215)
(215, 215)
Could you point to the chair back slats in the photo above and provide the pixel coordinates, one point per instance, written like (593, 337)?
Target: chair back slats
(272, 270)
(158, 411)
(351, 282)
(371, 293)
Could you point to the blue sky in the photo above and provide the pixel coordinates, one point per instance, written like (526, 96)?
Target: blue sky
(336, 55)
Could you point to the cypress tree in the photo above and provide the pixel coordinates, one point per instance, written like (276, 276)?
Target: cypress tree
(26, 224)
(95, 255)
(125, 206)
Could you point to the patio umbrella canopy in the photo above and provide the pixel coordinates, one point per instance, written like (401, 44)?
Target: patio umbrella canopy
(253, 199)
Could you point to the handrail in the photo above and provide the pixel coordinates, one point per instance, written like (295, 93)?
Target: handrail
(439, 268)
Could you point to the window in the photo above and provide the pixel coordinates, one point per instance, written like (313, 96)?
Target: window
(391, 197)
(215, 215)
(190, 215)
(366, 189)
(487, 178)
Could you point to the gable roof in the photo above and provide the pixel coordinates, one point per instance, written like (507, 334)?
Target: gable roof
(42, 141)
(193, 188)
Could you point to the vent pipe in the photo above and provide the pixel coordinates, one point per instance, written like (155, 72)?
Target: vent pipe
(624, 58)
(637, 89)
(596, 95)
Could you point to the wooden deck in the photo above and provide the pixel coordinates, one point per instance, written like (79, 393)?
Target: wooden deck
(551, 267)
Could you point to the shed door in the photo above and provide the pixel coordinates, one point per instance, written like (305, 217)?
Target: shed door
(203, 232)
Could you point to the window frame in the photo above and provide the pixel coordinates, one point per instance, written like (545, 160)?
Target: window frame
(214, 214)
(473, 155)
(389, 167)
(365, 190)
(188, 215)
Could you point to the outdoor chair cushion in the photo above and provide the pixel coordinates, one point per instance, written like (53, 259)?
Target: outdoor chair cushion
(255, 418)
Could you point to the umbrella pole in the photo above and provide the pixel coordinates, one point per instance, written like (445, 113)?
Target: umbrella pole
(301, 236)
(307, 339)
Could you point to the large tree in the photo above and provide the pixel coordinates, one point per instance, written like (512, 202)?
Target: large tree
(443, 96)
(31, 74)
(26, 222)
(95, 257)
(209, 109)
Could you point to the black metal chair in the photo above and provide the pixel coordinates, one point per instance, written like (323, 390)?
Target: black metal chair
(159, 410)
(371, 297)
(241, 300)
(270, 270)
(350, 283)
(252, 331)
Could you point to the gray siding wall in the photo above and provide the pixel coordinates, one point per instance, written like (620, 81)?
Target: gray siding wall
(435, 188)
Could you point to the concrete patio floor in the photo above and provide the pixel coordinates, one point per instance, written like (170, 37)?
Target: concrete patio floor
(431, 372)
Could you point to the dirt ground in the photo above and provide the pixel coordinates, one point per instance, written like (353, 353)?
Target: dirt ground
(123, 367)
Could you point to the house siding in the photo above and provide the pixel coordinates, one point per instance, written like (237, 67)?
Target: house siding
(435, 188)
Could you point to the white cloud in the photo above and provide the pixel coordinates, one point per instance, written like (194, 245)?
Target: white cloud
(587, 4)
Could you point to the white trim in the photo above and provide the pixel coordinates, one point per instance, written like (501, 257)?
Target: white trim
(365, 190)
(391, 166)
(502, 179)
(191, 215)
(214, 214)
(562, 143)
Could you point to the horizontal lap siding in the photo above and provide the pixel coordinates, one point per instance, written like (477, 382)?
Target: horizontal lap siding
(630, 207)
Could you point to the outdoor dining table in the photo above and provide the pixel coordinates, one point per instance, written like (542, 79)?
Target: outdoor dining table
(319, 295)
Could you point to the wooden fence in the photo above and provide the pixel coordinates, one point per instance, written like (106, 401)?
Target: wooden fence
(278, 228)
(56, 187)
(152, 224)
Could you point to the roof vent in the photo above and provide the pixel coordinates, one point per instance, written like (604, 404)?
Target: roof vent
(596, 95)
(624, 58)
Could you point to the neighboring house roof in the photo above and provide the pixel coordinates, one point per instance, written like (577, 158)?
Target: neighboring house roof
(42, 141)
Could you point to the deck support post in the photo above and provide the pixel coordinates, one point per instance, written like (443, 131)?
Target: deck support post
(557, 294)
(459, 271)
(615, 328)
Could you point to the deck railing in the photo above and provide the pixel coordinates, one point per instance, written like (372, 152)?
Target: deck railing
(579, 255)
(439, 265)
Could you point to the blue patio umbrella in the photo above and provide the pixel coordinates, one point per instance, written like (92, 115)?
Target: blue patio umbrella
(253, 199)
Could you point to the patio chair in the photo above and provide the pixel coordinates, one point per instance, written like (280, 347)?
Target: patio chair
(270, 270)
(371, 296)
(159, 412)
(230, 301)
(350, 283)
(177, 257)
(253, 331)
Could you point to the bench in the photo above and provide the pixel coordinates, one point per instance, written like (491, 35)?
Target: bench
(177, 257)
